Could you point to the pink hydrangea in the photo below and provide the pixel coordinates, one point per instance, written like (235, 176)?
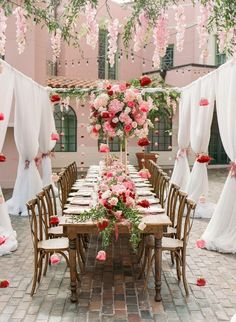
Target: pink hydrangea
(101, 255)
(115, 106)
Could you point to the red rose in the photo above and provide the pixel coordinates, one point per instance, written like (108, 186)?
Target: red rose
(4, 284)
(127, 128)
(143, 142)
(113, 125)
(54, 220)
(144, 203)
(204, 102)
(108, 87)
(110, 92)
(95, 114)
(131, 104)
(2, 158)
(128, 85)
(103, 225)
(201, 281)
(145, 80)
(105, 115)
(55, 98)
(204, 158)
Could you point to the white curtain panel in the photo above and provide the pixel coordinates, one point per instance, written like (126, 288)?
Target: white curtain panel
(200, 130)
(26, 130)
(181, 170)
(220, 233)
(6, 95)
(45, 143)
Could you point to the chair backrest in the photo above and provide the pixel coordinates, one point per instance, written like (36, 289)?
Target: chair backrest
(51, 200)
(179, 214)
(189, 212)
(35, 218)
(163, 189)
(62, 190)
(45, 212)
(172, 200)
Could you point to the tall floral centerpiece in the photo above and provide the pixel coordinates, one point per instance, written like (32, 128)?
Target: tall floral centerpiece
(120, 111)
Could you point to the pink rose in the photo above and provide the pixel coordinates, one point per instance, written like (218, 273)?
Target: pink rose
(55, 259)
(2, 240)
(113, 201)
(144, 173)
(131, 104)
(127, 128)
(55, 137)
(130, 202)
(104, 148)
(130, 95)
(144, 107)
(200, 243)
(204, 102)
(122, 87)
(101, 255)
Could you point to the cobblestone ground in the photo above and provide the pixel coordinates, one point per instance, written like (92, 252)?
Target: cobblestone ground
(111, 291)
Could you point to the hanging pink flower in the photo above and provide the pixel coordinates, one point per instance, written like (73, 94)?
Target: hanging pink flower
(161, 38)
(113, 31)
(180, 26)
(141, 28)
(202, 158)
(3, 27)
(200, 243)
(104, 148)
(21, 28)
(144, 173)
(1, 117)
(55, 259)
(101, 256)
(2, 240)
(203, 102)
(91, 25)
(56, 44)
(55, 137)
(202, 21)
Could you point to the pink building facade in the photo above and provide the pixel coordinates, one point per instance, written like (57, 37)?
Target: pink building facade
(83, 63)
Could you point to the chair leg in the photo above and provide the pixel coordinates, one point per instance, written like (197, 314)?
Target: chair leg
(35, 275)
(172, 258)
(81, 250)
(145, 257)
(40, 266)
(141, 249)
(178, 271)
(184, 273)
(47, 262)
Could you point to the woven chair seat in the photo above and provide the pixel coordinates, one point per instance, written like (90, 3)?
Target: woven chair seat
(56, 231)
(54, 244)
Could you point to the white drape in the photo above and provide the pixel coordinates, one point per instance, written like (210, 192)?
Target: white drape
(6, 95)
(26, 126)
(45, 143)
(181, 170)
(200, 130)
(221, 231)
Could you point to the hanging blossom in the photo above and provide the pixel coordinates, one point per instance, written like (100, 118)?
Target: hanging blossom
(140, 31)
(226, 39)
(202, 21)
(3, 27)
(56, 44)
(180, 26)
(161, 38)
(91, 25)
(21, 28)
(113, 31)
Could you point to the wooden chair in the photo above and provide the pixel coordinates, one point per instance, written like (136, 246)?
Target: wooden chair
(177, 245)
(43, 247)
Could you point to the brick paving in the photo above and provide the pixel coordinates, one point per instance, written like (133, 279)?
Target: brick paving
(110, 291)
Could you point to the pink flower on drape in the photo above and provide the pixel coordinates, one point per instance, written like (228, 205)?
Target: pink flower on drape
(101, 255)
(2, 240)
(203, 102)
(1, 117)
(233, 169)
(55, 137)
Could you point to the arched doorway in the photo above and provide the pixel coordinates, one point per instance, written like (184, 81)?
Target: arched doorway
(216, 149)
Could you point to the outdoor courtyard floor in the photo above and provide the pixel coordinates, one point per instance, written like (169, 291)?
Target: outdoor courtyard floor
(110, 291)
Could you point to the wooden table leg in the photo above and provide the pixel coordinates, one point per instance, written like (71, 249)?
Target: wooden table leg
(158, 265)
(73, 270)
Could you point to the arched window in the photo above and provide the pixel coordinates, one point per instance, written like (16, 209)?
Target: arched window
(66, 124)
(161, 136)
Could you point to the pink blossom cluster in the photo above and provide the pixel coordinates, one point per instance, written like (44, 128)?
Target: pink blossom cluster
(119, 111)
(92, 25)
(3, 27)
(21, 28)
(227, 39)
(113, 31)
(141, 28)
(161, 38)
(180, 26)
(205, 14)
(56, 44)
(116, 190)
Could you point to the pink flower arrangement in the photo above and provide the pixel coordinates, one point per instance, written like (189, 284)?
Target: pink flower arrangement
(119, 111)
(144, 173)
(101, 255)
(55, 259)
(2, 240)
(104, 148)
(203, 102)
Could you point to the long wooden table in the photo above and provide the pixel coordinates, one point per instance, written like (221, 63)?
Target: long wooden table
(155, 224)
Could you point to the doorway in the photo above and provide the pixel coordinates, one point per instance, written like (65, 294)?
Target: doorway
(216, 149)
